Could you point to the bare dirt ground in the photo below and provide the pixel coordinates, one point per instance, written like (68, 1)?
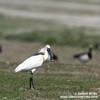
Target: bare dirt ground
(61, 12)
(19, 51)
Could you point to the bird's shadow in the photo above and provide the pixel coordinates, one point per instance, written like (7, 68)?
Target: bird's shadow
(31, 89)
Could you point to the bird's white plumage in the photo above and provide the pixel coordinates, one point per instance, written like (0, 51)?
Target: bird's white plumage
(30, 63)
(33, 70)
(84, 58)
(42, 50)
(33, 62)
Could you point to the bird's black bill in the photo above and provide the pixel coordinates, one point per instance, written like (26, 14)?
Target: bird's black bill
(51, 56)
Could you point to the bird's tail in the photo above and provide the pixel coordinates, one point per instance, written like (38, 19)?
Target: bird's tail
(19, 68)
(76, 56)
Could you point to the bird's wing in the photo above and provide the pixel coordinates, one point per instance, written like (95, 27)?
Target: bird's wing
(84, 58)
(39, 53)
(30, 63)
(78, 55)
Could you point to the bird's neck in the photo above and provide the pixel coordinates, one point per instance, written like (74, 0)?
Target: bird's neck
(43, 58)
(89, 53)
(46, 55)
(90, 50)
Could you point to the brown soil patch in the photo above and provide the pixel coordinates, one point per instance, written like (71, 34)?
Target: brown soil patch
(19, 51)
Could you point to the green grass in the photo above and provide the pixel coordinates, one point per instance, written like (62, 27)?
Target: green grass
(53, 82)
(72, 37)
(10, 25)
(10, 29)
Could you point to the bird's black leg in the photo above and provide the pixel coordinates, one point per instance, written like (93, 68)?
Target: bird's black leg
(31, 81)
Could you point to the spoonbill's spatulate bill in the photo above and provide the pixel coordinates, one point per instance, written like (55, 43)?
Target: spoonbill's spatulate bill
(34, 62)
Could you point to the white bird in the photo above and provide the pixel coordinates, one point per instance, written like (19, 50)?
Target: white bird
(34, 62)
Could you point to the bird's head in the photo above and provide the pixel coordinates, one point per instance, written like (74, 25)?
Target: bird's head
(49, 52)
(90, 47)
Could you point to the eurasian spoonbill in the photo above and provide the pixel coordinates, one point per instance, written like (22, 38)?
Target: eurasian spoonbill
(35, 62)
